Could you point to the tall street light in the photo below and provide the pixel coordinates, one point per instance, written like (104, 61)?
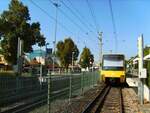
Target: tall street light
(46, 55)
(55, 35)
(101, 49)
(72, 60)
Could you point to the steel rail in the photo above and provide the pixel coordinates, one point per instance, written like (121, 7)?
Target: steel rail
(99, 99)
(97, 104)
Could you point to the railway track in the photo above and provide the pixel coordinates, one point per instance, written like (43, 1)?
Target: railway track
(109, 100)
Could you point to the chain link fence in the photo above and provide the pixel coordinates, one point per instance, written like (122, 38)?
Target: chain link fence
(45, 95)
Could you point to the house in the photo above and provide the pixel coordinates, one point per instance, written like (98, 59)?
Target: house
(39, 57)
(3, 62)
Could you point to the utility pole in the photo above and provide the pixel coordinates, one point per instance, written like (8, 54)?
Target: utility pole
(141, 71)
(19, 56)
(101, 44)
(49, 93)
(55, 35)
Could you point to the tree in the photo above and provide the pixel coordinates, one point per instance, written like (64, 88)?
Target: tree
(86, 58)
(65, 51)
(146, 51)
(14, 23)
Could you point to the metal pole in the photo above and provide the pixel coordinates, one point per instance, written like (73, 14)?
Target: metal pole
(19, 56)
(40, 67)
(92, 76)
(48, 94)
(140, 55)
(54, 59)
(81, 83)
(70, 89)
(100, 40)
(56, 5)
(72, 61)
(46, 58)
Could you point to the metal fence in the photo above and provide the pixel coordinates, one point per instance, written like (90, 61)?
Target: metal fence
(47, 92)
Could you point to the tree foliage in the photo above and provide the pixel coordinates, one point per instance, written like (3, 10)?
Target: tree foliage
(14, 23)
(146, 51)
(86, 58)
(65, 50)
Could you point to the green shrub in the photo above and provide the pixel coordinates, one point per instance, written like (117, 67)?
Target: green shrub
(148, 73)
(7, 73)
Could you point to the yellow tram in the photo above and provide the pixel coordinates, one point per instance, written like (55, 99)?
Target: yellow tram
(113, 68)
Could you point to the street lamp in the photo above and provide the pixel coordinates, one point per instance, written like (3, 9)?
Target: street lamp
(72, 59)
(54, 42)
(46, 55)
(54, 58)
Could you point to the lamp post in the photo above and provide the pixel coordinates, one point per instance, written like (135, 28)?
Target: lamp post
(46, 51)
(72, 60)
(54, 42)
(101, 44)
(46, 56)
(40, 63)
(54, 58)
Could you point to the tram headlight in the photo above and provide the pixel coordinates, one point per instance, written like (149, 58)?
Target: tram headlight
(122, 78)
(102, 77)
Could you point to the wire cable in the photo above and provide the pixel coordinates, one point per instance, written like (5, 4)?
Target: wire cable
(114, 26)
(51, 17)
(93, 16)
(77, 16)
(69, 18)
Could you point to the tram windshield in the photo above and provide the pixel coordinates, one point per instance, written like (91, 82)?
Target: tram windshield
(113, 62)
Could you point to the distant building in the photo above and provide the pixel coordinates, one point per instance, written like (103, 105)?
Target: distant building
(3, 62)
(40, 57)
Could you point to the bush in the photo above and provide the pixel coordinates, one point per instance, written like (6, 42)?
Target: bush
(7, 73)
(148, 73)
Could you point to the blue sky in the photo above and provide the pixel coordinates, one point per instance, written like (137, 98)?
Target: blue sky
(132, 18)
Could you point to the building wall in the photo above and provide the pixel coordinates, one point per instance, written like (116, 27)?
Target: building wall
(2, 60)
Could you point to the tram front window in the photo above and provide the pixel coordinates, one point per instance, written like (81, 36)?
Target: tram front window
(113, 62)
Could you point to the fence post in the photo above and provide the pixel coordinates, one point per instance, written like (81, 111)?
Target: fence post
(17, 85)
(49, 92)
(92, 78)
(70, 88)
(81, 83)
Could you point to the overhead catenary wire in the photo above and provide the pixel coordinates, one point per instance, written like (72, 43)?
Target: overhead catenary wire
(80, 21)
(77, 15)
(114, 26)
(51, 17)
(93, 16)
(71, 20)
(82, 17)
(96, 25)
(68, 17)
